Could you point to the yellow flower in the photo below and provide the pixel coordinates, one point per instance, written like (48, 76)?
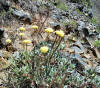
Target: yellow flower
(21, 34)
(44, 49)
(26, 41)
(93, 74)
(86, 14)
(8, 41)
(60, 33)
(49, 30)
(22, 29)
(35, 27)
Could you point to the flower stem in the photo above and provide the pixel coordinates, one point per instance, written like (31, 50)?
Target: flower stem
(26, 47)
(52, 53)
(47, 38)
(54, 43)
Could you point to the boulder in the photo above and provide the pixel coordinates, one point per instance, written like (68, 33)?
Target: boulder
(1, 37)
(21, 15)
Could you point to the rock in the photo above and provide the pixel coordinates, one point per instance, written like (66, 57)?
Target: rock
(75, 17)
(98, 36)
(94, 34)
(77, 60)
(66, 14)
(78, 47)
(85, 32)
(81, 25)
(97, 70)
(80, 7)
(1, 37)
(55, 26)
(97, 50)
(96, 8)
(4, 5)
(90, 14)
(1, 33)
(16, 1)
(21, 15)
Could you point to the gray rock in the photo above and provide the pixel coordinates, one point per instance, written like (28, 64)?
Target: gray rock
(75, 17)
(77, 47)
(98, 36)
(97, 50)
(81, 25)
(55, 25)
(4, 5)
(77, 60)
(21, 15)
(90, 14)
(96, 8)
(97, 70)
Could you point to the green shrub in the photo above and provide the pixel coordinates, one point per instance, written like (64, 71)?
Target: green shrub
(97, 43)
(93, 20)
(62, 6)
(31, 69)
(79, 12)
(98, 29)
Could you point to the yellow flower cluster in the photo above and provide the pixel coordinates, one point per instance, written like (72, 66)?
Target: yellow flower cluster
(60, 33)
(44, 49)
(22, 29)
(8, 41)
(26, 41)
(35, 27)
(21, 34)
(49, 30)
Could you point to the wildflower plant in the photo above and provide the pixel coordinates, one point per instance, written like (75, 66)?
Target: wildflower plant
(26, 42)
(21, 35)
(8, 41)
(44, 66)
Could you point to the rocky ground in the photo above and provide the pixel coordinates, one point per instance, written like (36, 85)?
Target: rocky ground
(73, 18)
